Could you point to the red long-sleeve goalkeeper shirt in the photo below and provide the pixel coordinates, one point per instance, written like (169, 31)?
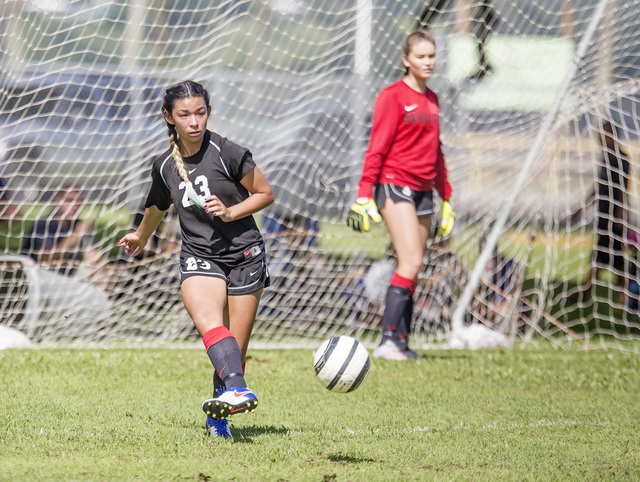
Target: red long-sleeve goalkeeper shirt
(404, 146)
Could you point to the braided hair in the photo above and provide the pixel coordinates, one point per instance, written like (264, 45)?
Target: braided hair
(182, 90)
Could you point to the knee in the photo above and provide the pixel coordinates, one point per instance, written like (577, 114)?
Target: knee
(410, 268)
(205, 320)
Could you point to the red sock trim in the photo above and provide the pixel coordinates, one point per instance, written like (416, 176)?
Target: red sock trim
(215, 335)
(402, 282)
(244, 367)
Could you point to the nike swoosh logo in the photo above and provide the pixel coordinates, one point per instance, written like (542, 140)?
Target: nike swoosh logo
(409, 108)
(251, 274)
(238, 395)
(197, 168)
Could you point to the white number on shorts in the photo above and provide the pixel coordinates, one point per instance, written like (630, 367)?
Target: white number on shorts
(195, 263)
(192, 264)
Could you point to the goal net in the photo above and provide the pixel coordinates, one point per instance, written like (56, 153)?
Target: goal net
(540, 140)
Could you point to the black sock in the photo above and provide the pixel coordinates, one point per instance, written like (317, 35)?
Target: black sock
(218, 385)
(405, 324)
(227, 360)
(395, 305)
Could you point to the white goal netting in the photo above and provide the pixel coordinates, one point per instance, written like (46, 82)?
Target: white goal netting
(545, 193)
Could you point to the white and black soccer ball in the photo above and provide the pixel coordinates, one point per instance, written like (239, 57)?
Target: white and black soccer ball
(341, 364)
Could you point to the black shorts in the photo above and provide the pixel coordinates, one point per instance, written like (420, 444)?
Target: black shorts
(421, 200)
(249, 277)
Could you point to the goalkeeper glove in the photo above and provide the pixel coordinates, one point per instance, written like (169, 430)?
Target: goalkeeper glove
(360, 213)
(448, 218)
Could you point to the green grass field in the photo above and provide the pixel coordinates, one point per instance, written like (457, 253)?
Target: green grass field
(134, 414)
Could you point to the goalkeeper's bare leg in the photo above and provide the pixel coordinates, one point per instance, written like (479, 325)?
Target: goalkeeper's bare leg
(409, 234)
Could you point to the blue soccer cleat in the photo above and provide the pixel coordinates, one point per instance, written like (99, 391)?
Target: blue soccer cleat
(233, 400)
(219, 427)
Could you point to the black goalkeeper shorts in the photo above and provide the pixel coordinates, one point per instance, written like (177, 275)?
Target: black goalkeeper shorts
(421, 200)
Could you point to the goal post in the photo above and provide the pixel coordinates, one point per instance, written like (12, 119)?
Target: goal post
(457, 322)
(545, 246)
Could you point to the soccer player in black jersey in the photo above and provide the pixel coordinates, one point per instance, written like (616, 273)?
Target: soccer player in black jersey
(215, 187)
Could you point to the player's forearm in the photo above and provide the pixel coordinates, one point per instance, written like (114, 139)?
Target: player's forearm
(254, 203)
(150, 222)
(261, 197)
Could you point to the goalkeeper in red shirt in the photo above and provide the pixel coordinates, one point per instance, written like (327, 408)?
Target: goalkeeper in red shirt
(402, 166)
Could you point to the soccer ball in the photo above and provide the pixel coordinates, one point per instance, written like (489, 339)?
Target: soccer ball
(341, 364)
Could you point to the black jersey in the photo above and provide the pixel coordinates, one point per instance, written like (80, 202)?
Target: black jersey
(216, 169)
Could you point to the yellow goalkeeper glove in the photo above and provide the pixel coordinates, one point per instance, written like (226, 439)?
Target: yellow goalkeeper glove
(360, 212)
(448, 219)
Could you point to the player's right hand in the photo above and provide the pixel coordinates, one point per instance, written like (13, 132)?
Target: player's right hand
(132, 243)
(360, 214)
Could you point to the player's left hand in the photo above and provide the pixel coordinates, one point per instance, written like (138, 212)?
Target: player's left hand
(448, 219)
(214, 206)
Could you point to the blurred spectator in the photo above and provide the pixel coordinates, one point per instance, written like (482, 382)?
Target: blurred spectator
(441, 282)
(502, 285)
(62, 240)
(633, 289)
(295, 266)
(8, 210)
(363, 288)
(610, 192)
(165, 238)
(289, 243)
(153, 266)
